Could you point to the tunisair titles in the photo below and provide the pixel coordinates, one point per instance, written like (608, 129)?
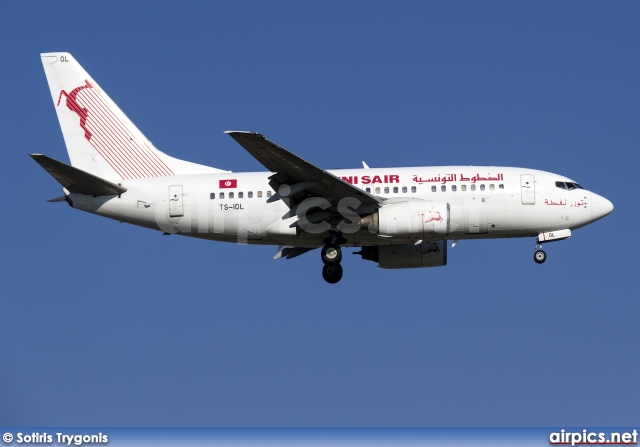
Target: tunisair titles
(394, 178)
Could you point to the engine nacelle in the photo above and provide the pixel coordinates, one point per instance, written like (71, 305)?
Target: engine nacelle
(413, 219)
(405, 256)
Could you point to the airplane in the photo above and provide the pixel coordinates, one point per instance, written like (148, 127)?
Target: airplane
(400, 217)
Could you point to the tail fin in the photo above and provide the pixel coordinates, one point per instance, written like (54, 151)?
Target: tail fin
(100, 139)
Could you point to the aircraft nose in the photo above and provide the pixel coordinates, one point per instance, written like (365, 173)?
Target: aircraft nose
(600, 206)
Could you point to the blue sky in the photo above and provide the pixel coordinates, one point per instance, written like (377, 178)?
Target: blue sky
(107, 324)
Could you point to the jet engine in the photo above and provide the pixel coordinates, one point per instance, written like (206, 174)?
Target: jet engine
(412, 219)
(425, 254)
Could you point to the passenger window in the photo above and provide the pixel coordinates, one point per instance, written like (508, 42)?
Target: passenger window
(404, 189)
(368, 190)
(377, 190)
(395, 190)
(473, 187)
(482, 187)
(386, 190)
(463, 187)
(212, 195)
(231, 195)
(443, 188)
(268, 193)
(500, 186)
(414, 189)
(433, 188)
(222, 195)
(240, 195)
(492, 187)
(454, 188)
(259, 194)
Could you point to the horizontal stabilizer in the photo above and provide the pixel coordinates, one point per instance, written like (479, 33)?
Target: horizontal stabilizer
(76, 180)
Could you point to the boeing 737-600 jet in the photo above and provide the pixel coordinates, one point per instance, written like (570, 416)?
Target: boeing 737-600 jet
(398, 217)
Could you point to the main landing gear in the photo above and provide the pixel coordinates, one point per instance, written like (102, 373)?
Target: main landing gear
(539, 255)
(331, 255)
(332, 273)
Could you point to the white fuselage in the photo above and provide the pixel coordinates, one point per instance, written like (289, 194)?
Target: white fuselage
(484, 202)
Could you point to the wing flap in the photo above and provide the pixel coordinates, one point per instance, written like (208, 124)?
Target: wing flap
(291, 252)
(76, 180)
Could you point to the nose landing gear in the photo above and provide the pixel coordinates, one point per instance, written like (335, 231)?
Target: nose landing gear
(549, 236)
(539, 255)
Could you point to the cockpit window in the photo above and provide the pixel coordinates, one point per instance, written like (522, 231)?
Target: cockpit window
(569, 186)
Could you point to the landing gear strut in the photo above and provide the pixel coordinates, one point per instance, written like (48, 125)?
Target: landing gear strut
(331, 256)
(539, 255)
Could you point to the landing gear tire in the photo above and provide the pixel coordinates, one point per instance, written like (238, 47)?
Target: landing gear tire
(539, 256)
(332, 273)
(331, 255)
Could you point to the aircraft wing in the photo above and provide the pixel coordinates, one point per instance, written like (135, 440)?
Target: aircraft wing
(303, 179)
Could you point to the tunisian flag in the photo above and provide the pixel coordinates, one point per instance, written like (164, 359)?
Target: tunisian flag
(228, 183)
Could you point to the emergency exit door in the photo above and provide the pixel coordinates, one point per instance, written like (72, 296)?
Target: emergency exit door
(176, 207)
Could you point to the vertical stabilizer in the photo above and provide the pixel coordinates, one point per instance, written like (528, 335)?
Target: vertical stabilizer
(99, 137)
